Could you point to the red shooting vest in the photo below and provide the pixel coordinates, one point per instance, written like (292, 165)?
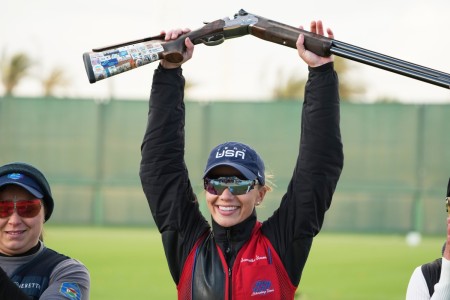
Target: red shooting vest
(257, 273)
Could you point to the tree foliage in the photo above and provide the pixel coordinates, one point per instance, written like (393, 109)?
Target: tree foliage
(13, 70)
(18, 66)
(293, 87)
(56, 78)
(290, 88)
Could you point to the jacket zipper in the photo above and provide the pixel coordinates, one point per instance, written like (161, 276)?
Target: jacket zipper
(229, 253)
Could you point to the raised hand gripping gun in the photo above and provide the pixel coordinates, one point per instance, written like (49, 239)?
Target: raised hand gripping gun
(107, 61)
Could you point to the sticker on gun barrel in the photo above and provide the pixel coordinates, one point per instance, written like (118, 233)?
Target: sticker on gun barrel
(114, 61)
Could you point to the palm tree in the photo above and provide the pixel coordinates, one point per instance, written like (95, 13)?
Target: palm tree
(53, 80)
(293, 88)
(188, 87)
(347, 90)
(13, 70)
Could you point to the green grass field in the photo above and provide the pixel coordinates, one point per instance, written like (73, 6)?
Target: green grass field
(129, 263)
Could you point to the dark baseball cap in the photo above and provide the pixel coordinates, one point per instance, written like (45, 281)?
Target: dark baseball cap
(239, 156)
(31, 179)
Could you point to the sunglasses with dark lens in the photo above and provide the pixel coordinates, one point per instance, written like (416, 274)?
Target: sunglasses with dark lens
(235, 185)
(24, 208)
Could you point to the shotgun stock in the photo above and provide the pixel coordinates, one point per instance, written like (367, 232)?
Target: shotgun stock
(108, 61)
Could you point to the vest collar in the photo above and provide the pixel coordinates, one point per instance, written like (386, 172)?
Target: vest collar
(237, 235)
(239, 231)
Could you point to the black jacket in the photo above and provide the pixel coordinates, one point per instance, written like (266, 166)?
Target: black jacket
(300, 216)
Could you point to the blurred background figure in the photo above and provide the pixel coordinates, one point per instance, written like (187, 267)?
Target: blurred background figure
(432, 280)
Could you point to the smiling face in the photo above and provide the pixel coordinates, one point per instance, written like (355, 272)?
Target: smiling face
(228, 209)
(18, 234)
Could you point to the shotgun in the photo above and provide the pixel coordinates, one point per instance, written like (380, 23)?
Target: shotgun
(108, 61)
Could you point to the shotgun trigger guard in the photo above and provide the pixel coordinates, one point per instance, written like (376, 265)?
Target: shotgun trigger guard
(213, 40)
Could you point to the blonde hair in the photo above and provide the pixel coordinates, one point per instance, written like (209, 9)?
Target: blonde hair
(269, 184)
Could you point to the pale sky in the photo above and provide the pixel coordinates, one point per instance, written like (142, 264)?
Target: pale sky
(56, 33)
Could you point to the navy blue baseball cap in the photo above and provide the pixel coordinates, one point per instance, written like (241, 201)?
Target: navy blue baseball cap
(239, 156)
(31, 179)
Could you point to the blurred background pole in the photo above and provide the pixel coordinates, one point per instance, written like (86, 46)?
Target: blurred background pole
(418, 209)
(98, 204)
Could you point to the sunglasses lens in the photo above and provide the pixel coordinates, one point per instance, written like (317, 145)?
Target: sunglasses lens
(235, 185)
(209, 187)
(24, 208)
(6, 208)
(28, 208)
(239, 189)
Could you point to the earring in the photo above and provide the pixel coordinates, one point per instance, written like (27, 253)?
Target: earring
(258, 203)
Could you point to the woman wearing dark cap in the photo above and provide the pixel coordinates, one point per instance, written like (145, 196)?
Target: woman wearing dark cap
(432, 280)
(28, 269)
(238, 257)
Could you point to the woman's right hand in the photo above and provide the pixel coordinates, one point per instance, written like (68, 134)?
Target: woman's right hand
(187, 55)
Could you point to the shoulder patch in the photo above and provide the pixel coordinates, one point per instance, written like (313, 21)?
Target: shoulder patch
(70, 290)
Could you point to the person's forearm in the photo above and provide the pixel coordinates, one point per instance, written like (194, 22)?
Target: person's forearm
(163, 144)
(321, 134)
(166, 117)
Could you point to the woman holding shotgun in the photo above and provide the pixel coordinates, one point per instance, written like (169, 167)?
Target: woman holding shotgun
(237, 256)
